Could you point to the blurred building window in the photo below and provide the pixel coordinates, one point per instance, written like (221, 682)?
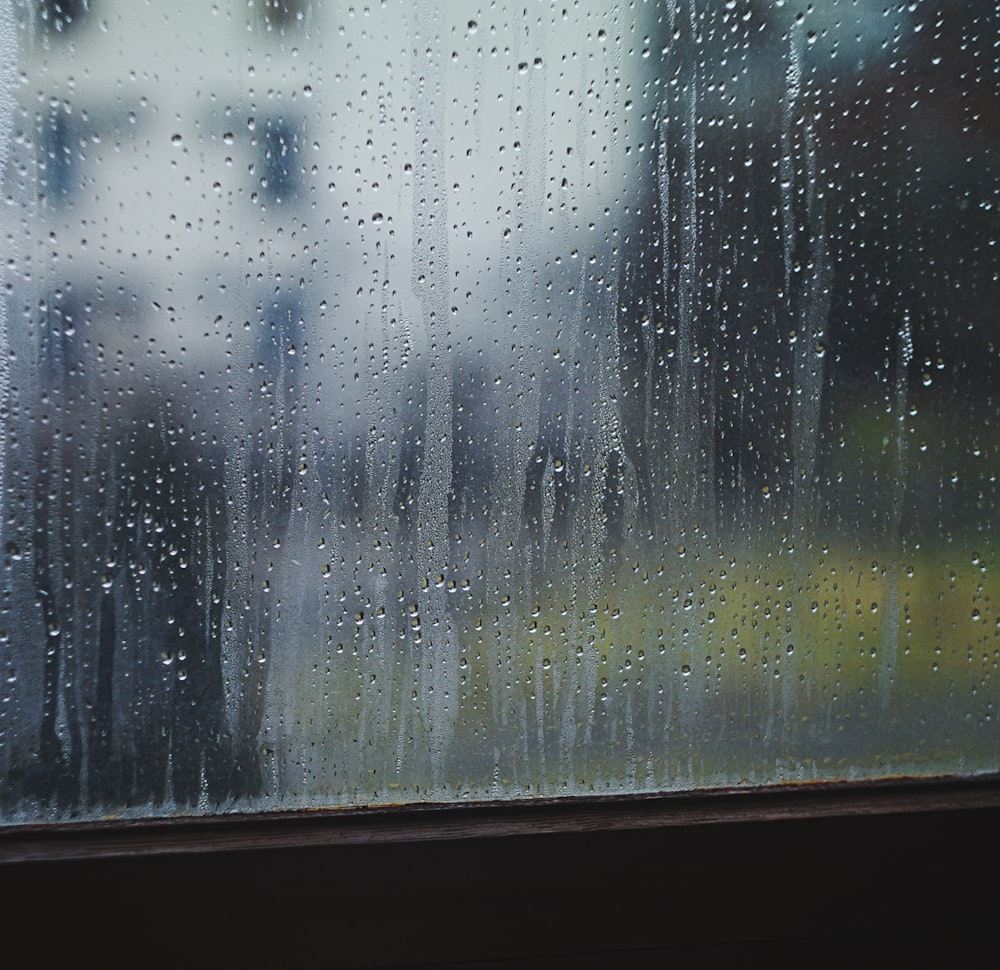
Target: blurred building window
(63, 16)
(59, 157)
(279, 167)
(281, 14)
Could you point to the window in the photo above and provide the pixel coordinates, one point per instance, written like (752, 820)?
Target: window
(281, 14)
(279, 166)
(62, 16)
(496, 403)
(59, 161)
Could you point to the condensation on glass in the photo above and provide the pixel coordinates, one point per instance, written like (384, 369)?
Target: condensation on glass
(439, 401)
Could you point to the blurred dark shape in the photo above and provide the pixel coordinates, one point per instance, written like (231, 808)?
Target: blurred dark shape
(63, 16)
(278, 166)
(129, 566)
(169, 544)
(282, 13)
(774, 260)
(280, 339)
(63, 326)
(59, 158)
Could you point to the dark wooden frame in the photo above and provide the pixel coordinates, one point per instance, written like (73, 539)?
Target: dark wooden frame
(439, 822)
(899, 872)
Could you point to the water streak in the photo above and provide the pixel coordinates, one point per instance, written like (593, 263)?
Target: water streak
(8, 76)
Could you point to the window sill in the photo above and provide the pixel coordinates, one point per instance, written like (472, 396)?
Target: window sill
(894, 873)
(444, 822)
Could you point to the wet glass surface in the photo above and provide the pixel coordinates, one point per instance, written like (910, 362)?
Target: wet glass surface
(443, 401)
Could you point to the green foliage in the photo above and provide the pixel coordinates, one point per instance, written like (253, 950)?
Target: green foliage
(705, 670)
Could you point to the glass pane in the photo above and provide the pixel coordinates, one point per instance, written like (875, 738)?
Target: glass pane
(433, 401)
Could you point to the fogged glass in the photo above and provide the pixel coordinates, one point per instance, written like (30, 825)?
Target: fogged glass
(438, 401)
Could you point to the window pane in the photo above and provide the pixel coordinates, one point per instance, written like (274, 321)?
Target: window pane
(440, 401)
